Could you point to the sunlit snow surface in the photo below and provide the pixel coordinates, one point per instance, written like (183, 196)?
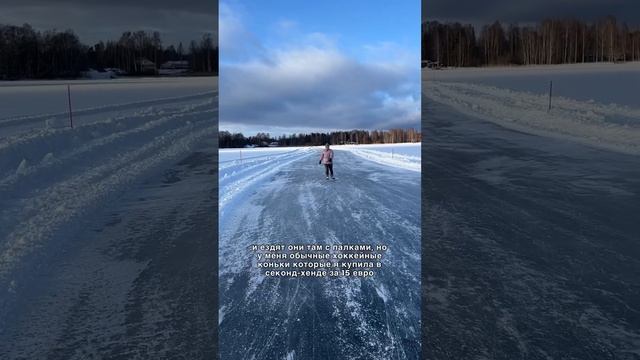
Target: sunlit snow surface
(281, 196)
(531, 244)
(107, 242)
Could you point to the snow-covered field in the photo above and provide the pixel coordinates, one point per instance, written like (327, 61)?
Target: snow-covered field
(225, 156)
(406, 155)
(606, 83)
(594, 104)
(32, 97)
(56, 181)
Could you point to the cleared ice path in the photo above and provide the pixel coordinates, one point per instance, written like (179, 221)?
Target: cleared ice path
(532, 244)
(314, 318)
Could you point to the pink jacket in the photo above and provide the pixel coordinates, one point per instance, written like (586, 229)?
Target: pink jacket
(327, 156)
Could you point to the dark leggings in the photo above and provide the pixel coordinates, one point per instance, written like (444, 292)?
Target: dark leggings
(328, 168)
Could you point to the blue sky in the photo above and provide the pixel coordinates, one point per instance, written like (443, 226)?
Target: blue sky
(353, 24)
(291, 66)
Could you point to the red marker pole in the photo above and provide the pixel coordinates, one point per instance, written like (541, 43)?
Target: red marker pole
(70, 111)
(550, 94)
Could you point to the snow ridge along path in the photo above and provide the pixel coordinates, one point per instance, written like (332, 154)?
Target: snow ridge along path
(407, 162)
(612, 127)
(239, 176)
(321, 318)
(101, 224)
(124, 148)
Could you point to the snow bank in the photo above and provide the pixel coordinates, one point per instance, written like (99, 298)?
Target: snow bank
(502, 71)
(50, 176)
(237, 177)
(412, 149)
(406, 155)
(226, 155)
(605, 83)
(612, 127)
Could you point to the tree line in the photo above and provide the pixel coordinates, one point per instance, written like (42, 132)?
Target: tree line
(227, 139)
(552, 41)
(26, 53)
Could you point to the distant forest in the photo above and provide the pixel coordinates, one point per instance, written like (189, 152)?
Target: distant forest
(549, 42)
(29, 54)
(236, 140)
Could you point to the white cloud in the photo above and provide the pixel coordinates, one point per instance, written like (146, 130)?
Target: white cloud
(310, 83)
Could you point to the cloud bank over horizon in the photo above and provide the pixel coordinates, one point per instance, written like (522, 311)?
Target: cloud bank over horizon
(294, 80)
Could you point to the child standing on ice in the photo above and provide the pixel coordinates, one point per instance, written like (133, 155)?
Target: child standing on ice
(326, 158)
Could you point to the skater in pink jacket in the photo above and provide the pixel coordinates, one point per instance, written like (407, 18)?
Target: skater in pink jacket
(326, 158)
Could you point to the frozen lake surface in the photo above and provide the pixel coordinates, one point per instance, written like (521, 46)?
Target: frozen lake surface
(285, 199)
(531, 240)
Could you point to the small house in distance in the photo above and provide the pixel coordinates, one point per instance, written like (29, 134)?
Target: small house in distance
(146, 66)
(431, 64)
(274, 144)
(117, 71)
(176, 67)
